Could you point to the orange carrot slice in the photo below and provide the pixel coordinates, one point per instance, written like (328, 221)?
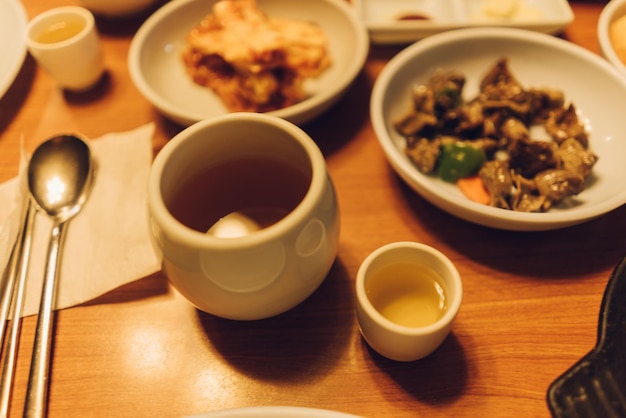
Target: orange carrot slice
(474, 189)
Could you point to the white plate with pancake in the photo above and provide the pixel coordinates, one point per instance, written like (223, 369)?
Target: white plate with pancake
(158, 71)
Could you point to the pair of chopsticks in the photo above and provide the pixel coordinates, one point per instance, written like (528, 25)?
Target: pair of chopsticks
(11, 302)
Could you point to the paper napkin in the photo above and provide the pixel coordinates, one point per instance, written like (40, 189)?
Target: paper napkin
(108, 243)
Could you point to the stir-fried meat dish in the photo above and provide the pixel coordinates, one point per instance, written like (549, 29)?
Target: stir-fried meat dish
(489, 136)
(252, 61)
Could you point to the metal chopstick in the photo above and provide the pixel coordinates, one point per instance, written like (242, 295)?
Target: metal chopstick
(8, 282)
(19, 272)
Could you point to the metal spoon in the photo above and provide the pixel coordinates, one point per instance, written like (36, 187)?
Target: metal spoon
(59, 179)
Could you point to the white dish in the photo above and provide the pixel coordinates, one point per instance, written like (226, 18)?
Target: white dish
(13, 23)
(157, 70)
(274, 412)
(610, 13)
(381, 17)
(536, 60)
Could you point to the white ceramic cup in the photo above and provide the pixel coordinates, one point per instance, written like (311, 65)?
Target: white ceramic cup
(65, 42)
(611, 13)
(402, 342)
(255, 275)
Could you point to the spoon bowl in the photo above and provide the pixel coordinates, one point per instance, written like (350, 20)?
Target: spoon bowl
(60, 175)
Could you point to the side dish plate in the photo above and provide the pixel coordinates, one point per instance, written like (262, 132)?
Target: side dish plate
(156, 66)
(13, 23)
(536, 60)
(404, 21)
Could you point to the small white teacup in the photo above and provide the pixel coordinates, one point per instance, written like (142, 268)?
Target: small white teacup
(65, 42)
(408, 295)
(245, 215)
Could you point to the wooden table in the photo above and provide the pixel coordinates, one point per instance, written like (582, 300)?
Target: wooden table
(530, 308)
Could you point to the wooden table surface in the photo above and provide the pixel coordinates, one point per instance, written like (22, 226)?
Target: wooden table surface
(530, 308)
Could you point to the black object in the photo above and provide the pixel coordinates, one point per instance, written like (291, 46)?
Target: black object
(596, 385)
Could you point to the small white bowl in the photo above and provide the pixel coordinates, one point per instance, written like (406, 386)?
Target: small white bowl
(610, 13)
(392, 339)
(537, 60)
(117, 8)
(157, 70)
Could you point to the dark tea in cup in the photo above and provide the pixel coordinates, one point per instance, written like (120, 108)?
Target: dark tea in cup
(237, 197)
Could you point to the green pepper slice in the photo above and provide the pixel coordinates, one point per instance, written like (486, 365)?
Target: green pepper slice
(459, 160)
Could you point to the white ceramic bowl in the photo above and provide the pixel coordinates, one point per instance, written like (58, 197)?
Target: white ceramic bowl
(610, 13)
(254, 275)
(394, 340)
(117, 8)
(536, 59)
(157, 70)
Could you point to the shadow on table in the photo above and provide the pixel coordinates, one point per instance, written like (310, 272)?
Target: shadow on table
(150, 286)
(539, 254)
(298, 346)
(15, 96)
(96, 92)
(344, 119)
(439, 378)
(126, 26)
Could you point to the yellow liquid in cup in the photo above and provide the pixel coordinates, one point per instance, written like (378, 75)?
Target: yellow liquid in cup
(407, 294)
(60, 31)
